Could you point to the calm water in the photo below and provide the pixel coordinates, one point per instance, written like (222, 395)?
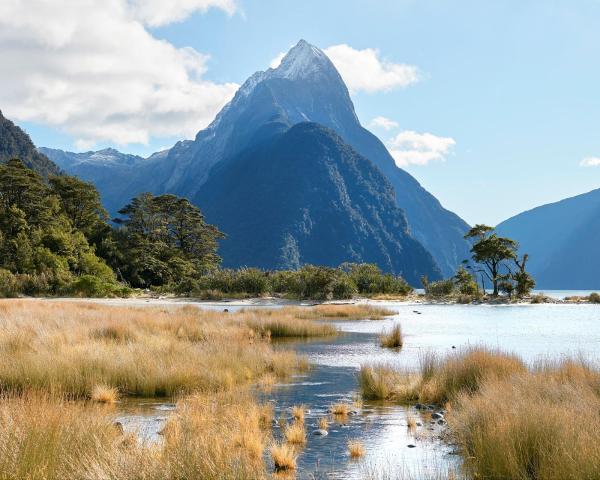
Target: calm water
(533, 331)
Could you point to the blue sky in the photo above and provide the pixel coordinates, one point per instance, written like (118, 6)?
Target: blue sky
(514, 84)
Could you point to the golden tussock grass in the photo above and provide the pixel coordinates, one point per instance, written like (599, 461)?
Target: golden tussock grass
(356, 449)
(298, 412)
(541, 425)
(284, 457)
(340, 312)
(70, 348)
(439, 380)
(104, 394)
(278, 323)
(295, 434)
(393, 338)
(323, 423)
(340, 409)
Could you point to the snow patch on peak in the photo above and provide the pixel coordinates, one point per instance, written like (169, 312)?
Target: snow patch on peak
(302, 60)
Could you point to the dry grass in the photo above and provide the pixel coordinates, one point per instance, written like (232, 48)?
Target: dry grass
(356, 449)
(393, 338)
(295, 434)
(340, 409)
(439, 380)
(298, 412)
(382, 382)
(340, 312)
(411, 424)
(284, 457)
(212, 437)
(323, 423)
(278, 323)
(541, 424)
(104, 394)
(73, 347)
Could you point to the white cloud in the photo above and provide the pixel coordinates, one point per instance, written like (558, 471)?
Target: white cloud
(590, 162)
(364, 70)
(382, 122)
(412, 148)
(277, 60)
(160, 12)
(92, 69)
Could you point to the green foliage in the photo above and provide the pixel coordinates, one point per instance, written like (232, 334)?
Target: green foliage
(92, 286)
(43, 250)
(369, 280)
(496, 255)
(308, 282)
(164, 239)
(441, 288)
(465, 283)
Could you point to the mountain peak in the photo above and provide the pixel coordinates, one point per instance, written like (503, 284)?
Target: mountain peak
(302, 60)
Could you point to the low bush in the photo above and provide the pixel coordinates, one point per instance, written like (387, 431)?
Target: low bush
(594, 297)
(440, 288)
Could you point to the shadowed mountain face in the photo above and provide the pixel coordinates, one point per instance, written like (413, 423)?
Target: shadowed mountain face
(306, 87)
(15, 143)
(563, 241)
(307, 197)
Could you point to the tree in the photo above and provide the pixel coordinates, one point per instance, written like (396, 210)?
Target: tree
(81, 203)
(165, 239)
(465, 283)
(524, 281)
(492, 253)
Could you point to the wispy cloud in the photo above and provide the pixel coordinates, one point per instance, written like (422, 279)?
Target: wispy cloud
(366, 71)
(382, 122)
(412, 148)
(94, 70)
(590, 162)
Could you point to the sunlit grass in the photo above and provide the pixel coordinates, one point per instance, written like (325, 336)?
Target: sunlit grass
(356, 449)
(73, 348)
(392, 338)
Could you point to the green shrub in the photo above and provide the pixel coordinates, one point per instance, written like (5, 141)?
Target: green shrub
(250, 280)
(8, 284)
(441, 288)
(343, 288)
(91, 286)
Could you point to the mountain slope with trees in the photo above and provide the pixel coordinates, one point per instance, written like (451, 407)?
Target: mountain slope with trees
(306, 87)
(15, 143)
(307, 197)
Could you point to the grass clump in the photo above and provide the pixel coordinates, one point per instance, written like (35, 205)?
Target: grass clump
(341, 312)
(283, 325)
(356, 449)
(536, 425)
(104, 394)
(438, 380)
(284, 457)
(295, 434)
(298, 412)
(392, 339)
(323, 423)
(382, 382)
(340, 409)
(594, 297)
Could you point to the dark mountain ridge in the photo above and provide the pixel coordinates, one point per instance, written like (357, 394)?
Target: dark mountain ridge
(15, 143)
(307, 197)
(563, 241)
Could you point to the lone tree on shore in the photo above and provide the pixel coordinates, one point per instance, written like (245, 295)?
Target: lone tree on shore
(497, 256)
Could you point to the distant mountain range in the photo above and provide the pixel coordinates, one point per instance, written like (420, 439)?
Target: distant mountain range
(306, 87)
(15, 143)
(563, 241)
